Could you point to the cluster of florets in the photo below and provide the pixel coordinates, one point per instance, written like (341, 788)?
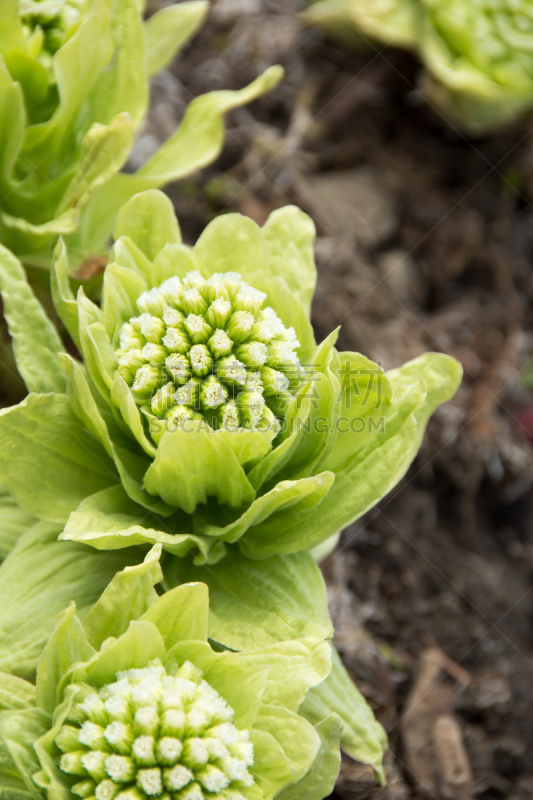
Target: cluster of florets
(208, 350)
(48, 24)
(151, 735)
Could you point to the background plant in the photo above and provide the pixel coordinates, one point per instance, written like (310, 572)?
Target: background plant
(476, 54)
(73, 90)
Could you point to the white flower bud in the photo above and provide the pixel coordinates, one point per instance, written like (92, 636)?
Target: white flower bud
(197, 328)
(152, 328)
(151, 302)
(220, 344)
(253, 354)
(193, 303)
(231, 371)
(212, 393)
(213, 778)
(154, 353)
(176, 341)
(120, 768)
(177, 777)
(163, 400)
(240, 326)
(149, 781)
(106, 790)
(201, 360)
(218, 313)
(180, 368)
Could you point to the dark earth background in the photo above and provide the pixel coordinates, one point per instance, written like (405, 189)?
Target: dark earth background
(425, 242)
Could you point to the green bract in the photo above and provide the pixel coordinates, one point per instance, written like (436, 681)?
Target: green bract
(133, 703)
(478, 53)
(73, 89)
(204, 413)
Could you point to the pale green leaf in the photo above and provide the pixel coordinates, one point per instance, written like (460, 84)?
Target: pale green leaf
(363, 738)
(294, 668)
(18, 731)
(140, 644)
(192, 465)
(12, 117)
(320, 780)
(181, 614)
(120, 291)
(148, 219)
(272, 768)
(129, 595)
(441, 376)
(13, 522)
(62, 295)
(15, 693)
(296, 736)
(66, 646)
(166, 31)
(259, 603)
(104, 149)
(289, 234)
(49, 462)
(70, 572)
(36, 342)
(233, 243)
(110, 520)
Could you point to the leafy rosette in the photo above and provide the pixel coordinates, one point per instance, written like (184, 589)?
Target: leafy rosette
(134, 703)
(204, 414)
(73, 89)
(478, 55)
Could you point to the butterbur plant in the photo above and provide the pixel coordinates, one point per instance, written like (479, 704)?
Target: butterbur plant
(133, 702)
(477, 55)
(203, 415)
(73, 90)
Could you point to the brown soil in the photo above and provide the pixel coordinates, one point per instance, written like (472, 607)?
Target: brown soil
(424, 242)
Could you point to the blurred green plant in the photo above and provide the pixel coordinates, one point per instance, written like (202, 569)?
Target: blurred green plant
(74, 80)
(477, 54)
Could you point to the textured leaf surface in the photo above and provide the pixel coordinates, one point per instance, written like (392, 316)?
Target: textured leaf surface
(36, 342)
(68, 570)
(258, 603)
(48, 460)
(363, 738)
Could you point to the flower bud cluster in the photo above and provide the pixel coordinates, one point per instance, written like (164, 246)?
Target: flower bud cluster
(150, 735)
(208, 350)
(48, 25)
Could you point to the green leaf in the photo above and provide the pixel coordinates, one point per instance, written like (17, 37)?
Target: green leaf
(12, 118)
(272, 768)
(110, 520)
(140, 644)
(259, 603)
(320, 780)
(123, 85)
(120, 291)
(104, 150)
(441, 375)
(62, 295)
(363, 738)
(361, 479)
(13, 522)
(48, 460)
(129, 595)
(39, 579)
(289, 235)
(294, 667)
(66, 646)
(192, 465)
(148, 219)
(77, 66)
(36, 342)
(196, 143)
(181, 614)
(232, 243)
(297, 738)
(130, 465)
(166, 31)
(18, 731)
(269, 538)
(122, 397)
(15, 693)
